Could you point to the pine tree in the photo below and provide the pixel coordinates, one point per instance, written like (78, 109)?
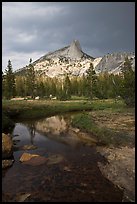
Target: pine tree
(67, 87)
(30, 80)
(3, 85)
(91, 82)
(9, 81)
(41, 89)
(74, 86)
(128, 88)
(64, 91)
(20, 86)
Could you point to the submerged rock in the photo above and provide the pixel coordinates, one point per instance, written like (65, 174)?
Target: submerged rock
(7, 146)
(55, 159)
(28, 147)
(15, 142)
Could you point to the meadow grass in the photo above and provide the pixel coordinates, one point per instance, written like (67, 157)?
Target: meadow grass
(41, 108)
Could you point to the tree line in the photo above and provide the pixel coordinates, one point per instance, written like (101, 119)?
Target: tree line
(91, 85)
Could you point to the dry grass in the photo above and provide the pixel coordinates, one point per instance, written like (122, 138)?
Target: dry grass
(117, 121)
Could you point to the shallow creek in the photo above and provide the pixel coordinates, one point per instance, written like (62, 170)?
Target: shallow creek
(73, 176)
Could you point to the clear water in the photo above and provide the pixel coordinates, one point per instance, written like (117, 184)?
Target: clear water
(76, 178)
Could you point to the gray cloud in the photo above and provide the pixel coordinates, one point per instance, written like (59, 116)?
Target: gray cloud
(31, 29)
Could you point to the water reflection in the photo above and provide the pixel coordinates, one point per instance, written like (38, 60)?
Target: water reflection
(59, 129)
(54, 125)
(32, 131)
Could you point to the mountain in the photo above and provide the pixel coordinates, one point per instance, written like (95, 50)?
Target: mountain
(71, 52)
(114, 62)
(73, 61)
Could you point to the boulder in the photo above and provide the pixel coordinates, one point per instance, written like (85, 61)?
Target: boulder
(7, 146)
(37, 98)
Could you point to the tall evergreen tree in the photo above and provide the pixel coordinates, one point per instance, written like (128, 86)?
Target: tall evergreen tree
(20, 86)
(3, 85)
(91, 81)
(30, 80)
(128, 88)
(67, 87)
(9, 81)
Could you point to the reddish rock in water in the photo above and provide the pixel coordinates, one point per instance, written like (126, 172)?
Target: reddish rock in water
(36, 161)
(27, 156)
(33, 159)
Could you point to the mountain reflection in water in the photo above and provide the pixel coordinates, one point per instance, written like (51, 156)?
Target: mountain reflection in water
(59, 128)
(54, 125)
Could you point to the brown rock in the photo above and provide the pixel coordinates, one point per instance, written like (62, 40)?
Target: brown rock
(7, 163)
(36, 161)
(27, 156)
(7, 146)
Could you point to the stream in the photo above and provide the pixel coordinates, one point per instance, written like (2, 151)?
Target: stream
(72, 175)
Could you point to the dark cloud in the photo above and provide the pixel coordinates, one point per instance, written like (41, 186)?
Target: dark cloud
(39, 27)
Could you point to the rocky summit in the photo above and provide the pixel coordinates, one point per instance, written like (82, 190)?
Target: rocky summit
(73, 61)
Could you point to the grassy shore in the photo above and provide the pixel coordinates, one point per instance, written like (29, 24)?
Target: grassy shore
(41, 108)
(112, 124)
(35, 109)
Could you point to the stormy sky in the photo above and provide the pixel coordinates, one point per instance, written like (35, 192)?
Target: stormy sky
(32, 29)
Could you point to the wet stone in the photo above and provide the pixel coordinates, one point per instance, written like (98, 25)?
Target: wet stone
(36, 161)
(7, 163)
(27, 156)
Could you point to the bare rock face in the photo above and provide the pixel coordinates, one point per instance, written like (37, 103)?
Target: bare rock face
(72, 60)
(75, 50)
(114, 62)
(7, 146)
